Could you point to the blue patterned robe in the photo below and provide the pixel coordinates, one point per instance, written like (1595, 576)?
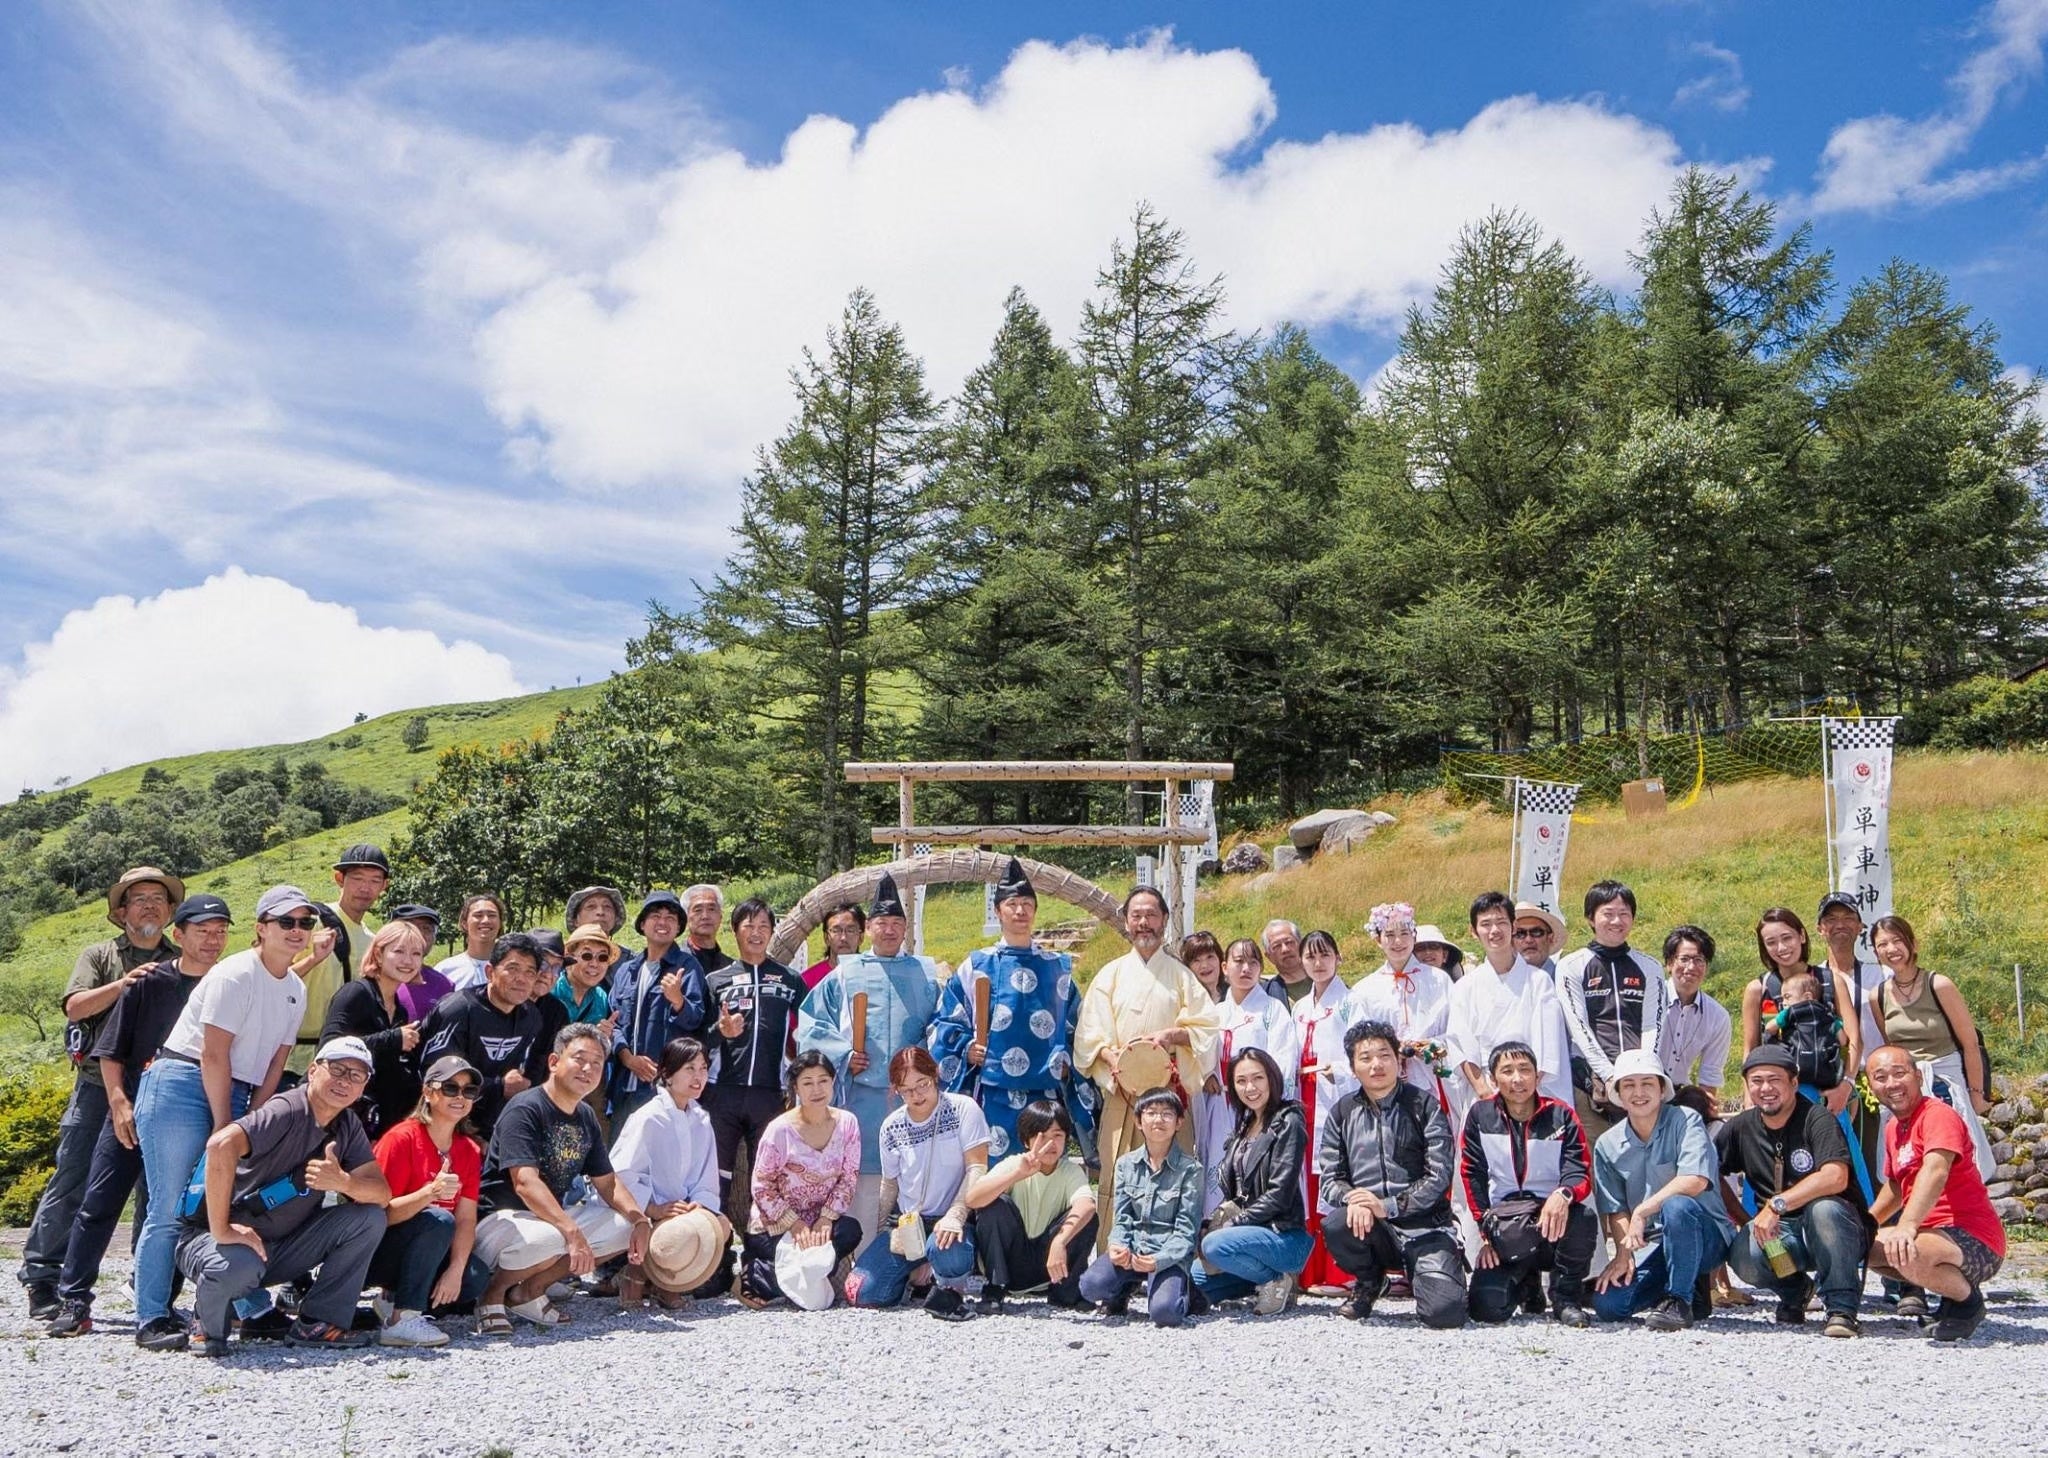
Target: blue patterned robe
(902, 995)
(1033, 1005)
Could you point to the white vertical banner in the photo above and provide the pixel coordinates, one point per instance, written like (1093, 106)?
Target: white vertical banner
(990, 925)
(921, 848)
(1858, 761)
(1542, 828)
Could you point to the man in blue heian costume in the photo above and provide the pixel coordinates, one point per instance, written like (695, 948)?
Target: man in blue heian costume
(902, 993)
(1033, 1004)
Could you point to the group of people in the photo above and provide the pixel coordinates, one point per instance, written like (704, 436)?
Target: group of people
(325, 1115)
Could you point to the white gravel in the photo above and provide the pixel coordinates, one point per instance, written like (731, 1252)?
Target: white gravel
(723, 1380)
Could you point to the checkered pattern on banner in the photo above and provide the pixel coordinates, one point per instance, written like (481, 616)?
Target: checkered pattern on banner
(1850, 735)
(1546, 797)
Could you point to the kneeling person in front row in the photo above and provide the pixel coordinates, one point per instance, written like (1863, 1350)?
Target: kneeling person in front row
(1792, 1154)
(1653, 1178)
(1034, 1214)
(1157, 1209)
(1528, 1175)
(544, 1140)
(263, 1220)
(1385, 1161)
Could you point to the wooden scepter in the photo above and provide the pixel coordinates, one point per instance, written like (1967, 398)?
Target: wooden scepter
(860, 1023)
(981, 992)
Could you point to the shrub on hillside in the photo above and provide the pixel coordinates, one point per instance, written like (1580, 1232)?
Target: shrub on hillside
(32, 1103)
(1986, 713)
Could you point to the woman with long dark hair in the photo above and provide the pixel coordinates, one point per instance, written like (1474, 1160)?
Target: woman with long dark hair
(1257, 1239)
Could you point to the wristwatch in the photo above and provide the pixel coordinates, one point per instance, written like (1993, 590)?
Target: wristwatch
(1778, 1205)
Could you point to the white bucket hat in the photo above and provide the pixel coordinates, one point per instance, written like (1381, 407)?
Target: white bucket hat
(1636, 1062)
(805, 1272)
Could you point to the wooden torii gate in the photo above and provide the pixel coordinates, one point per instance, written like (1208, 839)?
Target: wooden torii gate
(1174, 834)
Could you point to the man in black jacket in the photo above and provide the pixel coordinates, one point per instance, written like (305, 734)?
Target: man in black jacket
(752, 1000)
(494, 1028)
(1385, 1160)
(1528, 1174)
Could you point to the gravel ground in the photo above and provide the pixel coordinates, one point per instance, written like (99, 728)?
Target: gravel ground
(721, 1380)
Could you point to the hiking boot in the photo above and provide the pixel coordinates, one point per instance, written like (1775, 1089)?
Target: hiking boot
(991, 1299)
(42, 1300)
(1958, 1319)
(1673, 1313)
(1792, 1304)
(163, 1334)
(203, 1345)
(307, 1333)
(1912, 1303)
(1358, 1305)
(1570, 1313)
(947, 1305)
(1274, 1296)
(1842, 1324)
(73, 1318)
(1703, 1297)
(272, 1326)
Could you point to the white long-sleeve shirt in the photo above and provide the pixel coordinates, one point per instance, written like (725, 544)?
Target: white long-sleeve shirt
(1489, 1008)
(1695, 1033)
(1416, 1004)
(665, 1153)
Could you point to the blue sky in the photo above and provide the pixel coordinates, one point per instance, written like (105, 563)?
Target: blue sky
(384, 353)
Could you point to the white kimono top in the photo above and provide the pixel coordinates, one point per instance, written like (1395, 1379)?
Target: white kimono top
(1520, 1005)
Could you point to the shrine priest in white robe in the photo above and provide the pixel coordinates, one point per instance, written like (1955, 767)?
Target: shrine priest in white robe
(1504, 999)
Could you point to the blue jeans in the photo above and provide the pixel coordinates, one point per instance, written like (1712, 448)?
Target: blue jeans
(1690, 1245)
(1249, 1255)
(409, 1258)
(880, 1275)
(1166, 1289)
(173, 1121)
(1825, 1238)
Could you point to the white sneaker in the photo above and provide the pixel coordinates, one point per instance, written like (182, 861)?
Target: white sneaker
(412, 1329)
(1274, 1296)
(386, 1312)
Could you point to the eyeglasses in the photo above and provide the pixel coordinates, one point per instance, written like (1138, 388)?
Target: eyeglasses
(460, 1090)
(350, 1073)
(922, 1087)
(301, 923)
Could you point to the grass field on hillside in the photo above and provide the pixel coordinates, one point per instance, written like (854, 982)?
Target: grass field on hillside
(379, 760)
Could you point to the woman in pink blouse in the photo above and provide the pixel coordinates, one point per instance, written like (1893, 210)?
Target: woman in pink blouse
(805, 1176)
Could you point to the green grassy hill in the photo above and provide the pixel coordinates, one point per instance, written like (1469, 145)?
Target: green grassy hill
(370, 754)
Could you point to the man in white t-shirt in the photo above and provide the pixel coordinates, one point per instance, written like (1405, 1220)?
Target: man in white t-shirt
(224, 1056)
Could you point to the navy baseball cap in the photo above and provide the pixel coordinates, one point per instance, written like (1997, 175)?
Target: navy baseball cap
(1838, 898)
(412, 912)
(200, 908)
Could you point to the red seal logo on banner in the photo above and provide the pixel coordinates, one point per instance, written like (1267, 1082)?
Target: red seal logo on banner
(1543, 832)
(1862, 769)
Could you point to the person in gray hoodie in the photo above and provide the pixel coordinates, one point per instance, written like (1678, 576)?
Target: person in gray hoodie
(1385, 1162)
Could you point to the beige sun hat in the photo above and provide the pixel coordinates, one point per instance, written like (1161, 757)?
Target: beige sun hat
(117, 894)
(683, 1251)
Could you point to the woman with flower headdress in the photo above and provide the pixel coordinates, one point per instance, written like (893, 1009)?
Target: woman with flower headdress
(1323, 1077)
(1408, 995)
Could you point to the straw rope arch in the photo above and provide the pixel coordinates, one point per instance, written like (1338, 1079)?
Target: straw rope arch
(939, 868)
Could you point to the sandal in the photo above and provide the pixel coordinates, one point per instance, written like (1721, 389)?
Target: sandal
(673, 1300)
(491, 1321)
(632, 1289)
(540, 1311)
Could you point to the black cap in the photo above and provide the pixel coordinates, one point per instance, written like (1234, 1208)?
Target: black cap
(1838, 898)
(364, 854)
(888, 900)
(200, 908)
(655, 901)
(1014, 883)
(1772, 1055)
(549, 939)
(412, 912)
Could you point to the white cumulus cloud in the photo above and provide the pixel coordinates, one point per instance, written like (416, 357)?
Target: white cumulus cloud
(239, 659)
(1720, 86)
(1880, 161)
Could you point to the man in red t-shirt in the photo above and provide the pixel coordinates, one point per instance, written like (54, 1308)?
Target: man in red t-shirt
(1947, 1237)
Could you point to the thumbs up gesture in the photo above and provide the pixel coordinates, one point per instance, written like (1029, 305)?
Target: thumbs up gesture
(326, 1173)
(447, 1184)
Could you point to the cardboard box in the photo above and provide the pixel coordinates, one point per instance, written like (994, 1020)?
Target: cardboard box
(1642, 797)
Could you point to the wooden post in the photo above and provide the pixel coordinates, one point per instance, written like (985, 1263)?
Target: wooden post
(906, 800)
(1172, 805)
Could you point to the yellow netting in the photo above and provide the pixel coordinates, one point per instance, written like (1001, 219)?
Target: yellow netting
(1601, 764)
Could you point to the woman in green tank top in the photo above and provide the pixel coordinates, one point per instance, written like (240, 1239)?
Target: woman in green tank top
(1924, 1013)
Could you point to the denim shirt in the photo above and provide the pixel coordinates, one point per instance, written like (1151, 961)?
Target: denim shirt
(1157, 1211)
(1627, 1171)
(646, 1021)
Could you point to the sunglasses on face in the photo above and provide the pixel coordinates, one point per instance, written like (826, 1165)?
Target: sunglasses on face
(301, 923)
(592, 957)
(1530, 931)
(459, 1090)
